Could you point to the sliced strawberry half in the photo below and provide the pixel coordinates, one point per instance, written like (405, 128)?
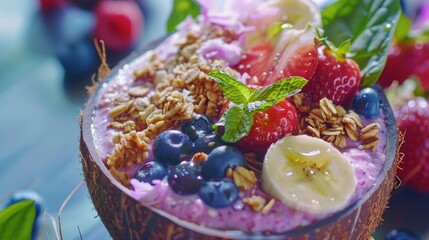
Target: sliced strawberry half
(294, 54)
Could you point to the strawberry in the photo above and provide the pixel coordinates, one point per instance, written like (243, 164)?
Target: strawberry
(269, 126)
(293, 55)
(399, 65)
(337, 77)
(414, 122)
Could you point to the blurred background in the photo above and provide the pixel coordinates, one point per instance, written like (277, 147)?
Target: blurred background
(47, 57)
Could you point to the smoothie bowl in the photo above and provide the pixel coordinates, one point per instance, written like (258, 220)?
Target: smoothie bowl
(241, 126)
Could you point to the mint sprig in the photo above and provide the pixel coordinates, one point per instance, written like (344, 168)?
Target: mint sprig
(238, 118)
(234, 90)
(370, 25)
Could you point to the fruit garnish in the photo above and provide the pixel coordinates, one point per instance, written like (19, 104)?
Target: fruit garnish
(172, 147)
(219, 193)
(408, 56)
(293, 55)
(49, 5)
(219, 160)
(118, 23)
(308, 174)
(207, 143)
(367, 103)
(269, 126)
(184, 179)
(370, 37)
(200, 125)
(151, 171)
(337, 77)
(414, 122)
(238, 119)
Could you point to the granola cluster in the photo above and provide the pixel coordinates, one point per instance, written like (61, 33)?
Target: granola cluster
(167, 91)
(333, 123)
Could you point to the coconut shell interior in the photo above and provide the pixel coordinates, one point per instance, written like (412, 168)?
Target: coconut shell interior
(125, 218)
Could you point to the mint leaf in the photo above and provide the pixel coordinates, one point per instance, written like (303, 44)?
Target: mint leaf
(370, 24)
(182, 9)
(234, 90)
(279, 90)
(238, 123)
(16, 221)
(259, 106)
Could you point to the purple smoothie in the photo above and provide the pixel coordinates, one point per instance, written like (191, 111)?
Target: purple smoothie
(366, 163)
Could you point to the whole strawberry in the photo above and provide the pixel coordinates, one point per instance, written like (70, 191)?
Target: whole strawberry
(413, 118)
(269, 126)
(337, 77)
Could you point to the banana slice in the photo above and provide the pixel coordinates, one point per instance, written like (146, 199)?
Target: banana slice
(308, 174)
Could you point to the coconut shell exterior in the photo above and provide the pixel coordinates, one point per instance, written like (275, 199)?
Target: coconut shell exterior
(126, 218)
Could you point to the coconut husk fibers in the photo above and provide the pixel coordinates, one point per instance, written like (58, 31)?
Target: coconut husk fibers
(126, 218)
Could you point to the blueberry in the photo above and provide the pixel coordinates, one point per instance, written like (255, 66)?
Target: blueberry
(397, 234)
(151, 171)
(200, 125)
(367, 103)
(39, 204)
(219, 160)
(219, 194)
(206, 143)
(78, 57)
(184, 179)
(172, 147)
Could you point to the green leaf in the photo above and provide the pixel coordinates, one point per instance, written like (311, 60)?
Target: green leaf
(182, 9)
(16, 221)
(238, 123)
(370, 24)
(279, 90)
(403, 28)
(259, 106)
(344, 47)
(234, 90)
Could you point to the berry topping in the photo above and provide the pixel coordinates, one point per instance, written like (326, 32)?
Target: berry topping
(151, 171)
(337, 77)
(49, 5)
(414, 122)
(119, 24)
(171, 147)
(219, 160)
(200, 125)
(185, 179)
(207, 143)
(269, 126)
(367, 103)
(78, 57)
(271, 63)
(219, 194)
(397, 234)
